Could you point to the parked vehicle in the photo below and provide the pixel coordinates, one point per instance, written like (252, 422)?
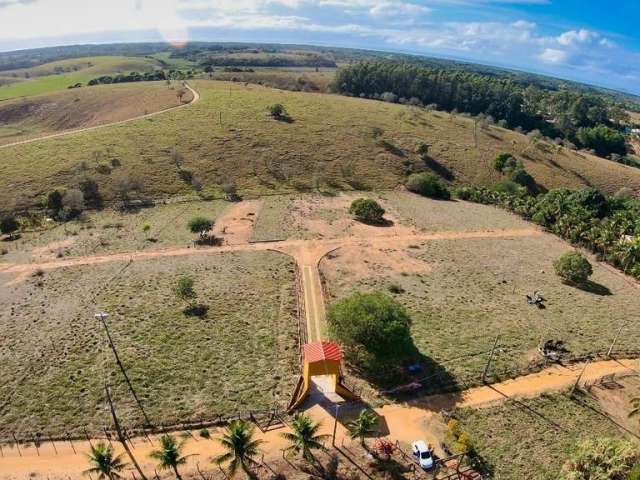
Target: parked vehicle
(423, 454)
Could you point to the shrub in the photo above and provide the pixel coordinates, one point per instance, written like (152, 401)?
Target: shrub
(573, 268)
(8, 225)
(389, 97)
(196, 310)
(73, 203)
(367, 210)
(422, 148)
(54, 201)
(427, 185)
(504, 162)
(507, 186)
(373, 322)
(184, 288)
(200, 224)
(277, 110)
(602, 139)
(204, 433)
(605, 458)
(91, 192)
(523, 178)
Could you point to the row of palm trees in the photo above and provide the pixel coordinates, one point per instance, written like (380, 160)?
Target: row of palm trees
(240, 445)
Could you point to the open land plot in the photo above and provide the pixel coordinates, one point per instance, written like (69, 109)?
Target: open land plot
(59, 75)
(332, 142)
(243, 354)
(462, 292)
(25, 118)
(111, 231)
(533, 438)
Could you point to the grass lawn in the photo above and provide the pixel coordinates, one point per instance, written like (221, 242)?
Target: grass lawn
(333, 142)
(242, 355)
(43, 78)
(518, 444)
(463, 292)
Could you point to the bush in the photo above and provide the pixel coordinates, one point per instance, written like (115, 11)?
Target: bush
(504, 162)
(184, 288)
(277, 110)
(367, 210)
(428, 185)
(373, 322)
(573, 268)
(523, 178)
(605, 458)
(54, 201)
(603, 140)
(507, 186)
(204, 433)
(196, 310)
(8, 225)
(200, 224)
(91, 192)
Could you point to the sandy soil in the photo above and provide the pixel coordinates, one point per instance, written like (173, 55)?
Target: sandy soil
(236, 224)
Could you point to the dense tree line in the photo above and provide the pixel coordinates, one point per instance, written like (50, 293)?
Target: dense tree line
(588, 120)
(608, 226)
(141, 77)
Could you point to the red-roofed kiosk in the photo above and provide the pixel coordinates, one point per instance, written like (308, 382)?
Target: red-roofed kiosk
(321, 359)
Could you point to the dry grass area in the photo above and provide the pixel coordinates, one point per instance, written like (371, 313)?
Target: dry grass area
(533, 438)
(50, 113)
(241, 355)
(333, 142)
(305, 80)
(462, 292)
(110, 231)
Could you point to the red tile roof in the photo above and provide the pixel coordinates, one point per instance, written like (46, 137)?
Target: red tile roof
(318, 351)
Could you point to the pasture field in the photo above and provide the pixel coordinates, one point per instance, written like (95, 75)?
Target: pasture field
(25, 118)
(462, 292)
(516, 442)
(332, 142)
(243, 354)
(110, 231)
(59, 75)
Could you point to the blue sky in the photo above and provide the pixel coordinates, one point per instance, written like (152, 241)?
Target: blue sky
(593, 41)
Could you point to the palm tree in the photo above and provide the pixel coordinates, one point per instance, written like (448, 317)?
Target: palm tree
(363, 425)
(305, 437)
(104, 463)
(240, 446)
(169, 454)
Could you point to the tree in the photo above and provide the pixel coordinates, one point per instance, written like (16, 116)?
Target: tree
(184, 288)
(502, 161)
(602, 139)
(8, 225)
(241, 448)
(200, 224)
(363, 425)
(169, 455)
(601, 459)
(427, 185)
(367, 210)
(573, 268)
(374, 322)
(103, 463)
(305, 437)
(91, 192)
(54, 201)
(73, 202)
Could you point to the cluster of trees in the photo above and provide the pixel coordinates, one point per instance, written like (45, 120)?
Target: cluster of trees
(142, 77)
(585, 119)
(608, 226)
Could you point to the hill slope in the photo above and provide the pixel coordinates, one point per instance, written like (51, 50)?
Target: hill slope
(21, 119)
(54, 76)
(332, 141)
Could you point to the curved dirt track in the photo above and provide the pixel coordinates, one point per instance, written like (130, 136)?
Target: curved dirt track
(196, 97)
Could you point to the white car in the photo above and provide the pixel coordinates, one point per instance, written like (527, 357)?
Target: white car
(423, 454)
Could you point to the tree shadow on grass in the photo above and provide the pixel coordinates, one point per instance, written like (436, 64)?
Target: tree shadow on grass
(438, 168)
(596, 288)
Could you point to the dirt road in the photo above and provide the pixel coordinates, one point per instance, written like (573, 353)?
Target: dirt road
(405, 423)
(196, 97)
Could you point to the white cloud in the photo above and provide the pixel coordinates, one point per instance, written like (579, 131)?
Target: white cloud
(573, 37)
(553, 55)
(397, 9)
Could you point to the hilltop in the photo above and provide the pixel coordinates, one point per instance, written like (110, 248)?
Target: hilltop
(332, 142)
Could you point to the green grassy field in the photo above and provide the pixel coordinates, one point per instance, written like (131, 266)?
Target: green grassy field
(242, 355)
(463, 292)
(45, 78)
(517, 443)
(333, 143)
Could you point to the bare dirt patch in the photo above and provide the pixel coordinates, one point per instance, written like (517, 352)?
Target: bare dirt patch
(235, 226)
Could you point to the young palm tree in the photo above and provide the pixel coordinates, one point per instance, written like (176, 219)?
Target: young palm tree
(104, 464)
(169, 454)
(363, 425)
(305, 437)
(240, 448)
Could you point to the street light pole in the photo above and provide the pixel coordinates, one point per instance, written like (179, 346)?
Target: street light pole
(335, 426)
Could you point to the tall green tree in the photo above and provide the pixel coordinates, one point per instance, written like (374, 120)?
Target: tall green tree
(169, 455)
(103, 462)
(305, 437)
(241, 448)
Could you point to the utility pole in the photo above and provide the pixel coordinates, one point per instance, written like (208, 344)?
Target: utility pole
(116, 424)
(335, 426)
(575, 385)
(615, 340)
(488, 365)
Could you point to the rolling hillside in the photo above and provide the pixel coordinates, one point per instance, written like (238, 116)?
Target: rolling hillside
(332, 142)
(21, 119)
(59, 75)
